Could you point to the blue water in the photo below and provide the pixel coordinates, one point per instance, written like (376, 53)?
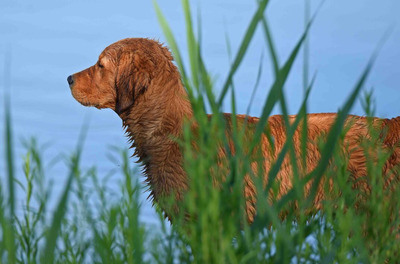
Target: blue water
(48, 40)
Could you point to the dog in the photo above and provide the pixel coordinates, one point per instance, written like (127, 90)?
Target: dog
(137, 79)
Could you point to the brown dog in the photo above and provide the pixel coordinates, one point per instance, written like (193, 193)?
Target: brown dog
(137, 79)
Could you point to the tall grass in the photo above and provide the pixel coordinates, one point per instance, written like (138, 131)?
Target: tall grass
(211, 226)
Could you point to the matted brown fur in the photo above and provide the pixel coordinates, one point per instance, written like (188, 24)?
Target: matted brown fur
(138, 80)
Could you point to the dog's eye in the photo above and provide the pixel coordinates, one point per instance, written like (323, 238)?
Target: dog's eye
(100, 65)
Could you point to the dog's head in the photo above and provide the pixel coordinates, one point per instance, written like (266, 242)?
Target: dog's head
(123, 72)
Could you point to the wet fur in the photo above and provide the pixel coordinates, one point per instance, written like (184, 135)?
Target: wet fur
(138, 80)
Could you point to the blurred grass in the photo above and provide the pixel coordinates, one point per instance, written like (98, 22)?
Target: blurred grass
(88, 227)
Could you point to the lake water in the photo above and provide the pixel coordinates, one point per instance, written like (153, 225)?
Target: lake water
(48, 40)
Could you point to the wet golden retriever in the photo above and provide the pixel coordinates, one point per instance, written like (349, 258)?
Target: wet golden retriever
(137, 79)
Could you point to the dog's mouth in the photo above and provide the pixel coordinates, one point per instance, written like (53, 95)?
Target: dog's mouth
(89, 104)
(82, 100)
(85, 103)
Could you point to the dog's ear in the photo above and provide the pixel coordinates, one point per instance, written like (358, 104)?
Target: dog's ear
(133, 77)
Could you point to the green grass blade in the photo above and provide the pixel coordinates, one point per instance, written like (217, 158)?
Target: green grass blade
(9, 156)
(276, 90)
(306, 55)
(228, 45)
(336, 129)
(243, 47)
(306, 69)
(271, 46)
(9, 233)
(276, 167)
(173, 46)
(58, 216)
(256, 85)
(332, 139)
(208, 85)
(193, 47)
(261, 219)
(275, 64)
(277, 87)
(205, 78)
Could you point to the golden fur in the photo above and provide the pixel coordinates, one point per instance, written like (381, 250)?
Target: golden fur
(138, 80)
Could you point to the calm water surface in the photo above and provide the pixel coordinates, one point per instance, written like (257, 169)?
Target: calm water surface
(47, 40)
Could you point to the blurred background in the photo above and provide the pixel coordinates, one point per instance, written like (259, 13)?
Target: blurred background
(43, 41)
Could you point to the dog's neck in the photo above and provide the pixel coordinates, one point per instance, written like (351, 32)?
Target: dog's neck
(153, 124)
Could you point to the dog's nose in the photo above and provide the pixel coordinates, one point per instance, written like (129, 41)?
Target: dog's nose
(70, 80)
